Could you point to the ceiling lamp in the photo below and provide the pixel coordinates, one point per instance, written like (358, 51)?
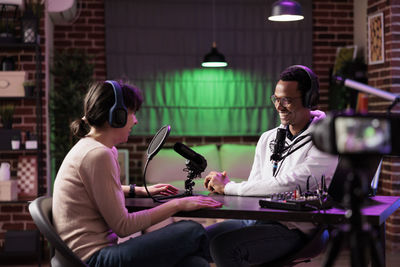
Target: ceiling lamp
(214, 59)
(286, 10)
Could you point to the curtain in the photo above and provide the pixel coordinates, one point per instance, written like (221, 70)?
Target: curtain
(159, 45)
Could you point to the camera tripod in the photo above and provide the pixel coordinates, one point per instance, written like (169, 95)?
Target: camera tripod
(361, 237)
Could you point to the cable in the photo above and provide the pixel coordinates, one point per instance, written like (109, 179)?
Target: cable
(292, 151)
(394, 103)
(145, 185)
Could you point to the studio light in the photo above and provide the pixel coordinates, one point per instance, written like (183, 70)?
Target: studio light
(214, 59)
(286, 10)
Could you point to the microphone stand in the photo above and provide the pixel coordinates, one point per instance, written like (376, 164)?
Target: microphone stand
(194, 171)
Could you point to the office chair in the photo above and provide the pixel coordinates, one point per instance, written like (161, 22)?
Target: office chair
(312, 248)
(40, 210)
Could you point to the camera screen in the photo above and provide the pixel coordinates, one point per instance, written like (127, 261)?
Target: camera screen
(362, 134)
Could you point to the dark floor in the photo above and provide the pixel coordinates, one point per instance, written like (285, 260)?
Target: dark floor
(343, 260)
(392, 260)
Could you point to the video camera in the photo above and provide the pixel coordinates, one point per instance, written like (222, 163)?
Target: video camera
(356, 134)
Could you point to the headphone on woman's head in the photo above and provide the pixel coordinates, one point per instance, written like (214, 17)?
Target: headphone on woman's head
(311, 96)
(118, 112)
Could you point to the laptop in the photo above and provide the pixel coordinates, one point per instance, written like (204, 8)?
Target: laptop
(369, 173)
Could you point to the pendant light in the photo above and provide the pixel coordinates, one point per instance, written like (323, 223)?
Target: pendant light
(286, 10)
(214, 59)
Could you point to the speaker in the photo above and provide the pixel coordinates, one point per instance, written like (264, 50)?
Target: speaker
(118, 112)
(311, 96)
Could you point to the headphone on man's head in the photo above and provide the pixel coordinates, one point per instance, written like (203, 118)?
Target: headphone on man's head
(311, 96)
(118, 112)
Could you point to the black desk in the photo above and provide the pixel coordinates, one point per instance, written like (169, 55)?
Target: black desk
(235, 207)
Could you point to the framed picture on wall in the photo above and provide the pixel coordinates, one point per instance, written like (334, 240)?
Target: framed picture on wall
(27, 177)
(123, 160)
(344, 54)
(376, 49)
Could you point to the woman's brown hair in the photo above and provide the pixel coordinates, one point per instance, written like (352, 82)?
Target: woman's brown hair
(97, 104)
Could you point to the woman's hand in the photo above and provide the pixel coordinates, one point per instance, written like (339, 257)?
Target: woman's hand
(157, 189)
(169, 208)
(195, 203)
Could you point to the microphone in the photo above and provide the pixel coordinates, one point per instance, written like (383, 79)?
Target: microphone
(278, 148)
(190, 155)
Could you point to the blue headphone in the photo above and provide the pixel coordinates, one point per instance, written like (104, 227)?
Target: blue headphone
(118, 112)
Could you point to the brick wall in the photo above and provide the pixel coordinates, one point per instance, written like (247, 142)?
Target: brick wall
(386, 76)
(332, 28)
(15, 216)
(86, 33)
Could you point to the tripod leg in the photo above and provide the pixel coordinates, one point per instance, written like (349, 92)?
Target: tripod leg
(377, 254)
(333, 249)
(358, 248)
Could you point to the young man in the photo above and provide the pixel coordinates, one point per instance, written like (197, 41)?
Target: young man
(237, 243)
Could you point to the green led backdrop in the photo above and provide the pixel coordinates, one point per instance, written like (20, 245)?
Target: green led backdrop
(206, 102)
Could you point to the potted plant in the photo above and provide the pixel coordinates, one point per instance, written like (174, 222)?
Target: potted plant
(9, 20)
(7, 31)
(29, 86)
(65, 103)
(15, 142)
(6, 114)
(31, 141)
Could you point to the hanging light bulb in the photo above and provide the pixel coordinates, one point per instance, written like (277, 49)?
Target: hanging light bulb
(214, 59)
(286, 10)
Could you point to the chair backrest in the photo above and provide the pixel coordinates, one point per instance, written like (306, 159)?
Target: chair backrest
(41, 212)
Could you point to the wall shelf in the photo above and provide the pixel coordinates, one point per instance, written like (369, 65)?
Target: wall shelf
(18, 98)
(17, 49)
(18, 151)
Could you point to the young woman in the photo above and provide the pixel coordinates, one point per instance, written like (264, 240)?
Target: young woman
(89, 201)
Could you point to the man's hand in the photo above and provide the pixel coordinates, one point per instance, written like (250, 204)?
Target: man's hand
(216, 181)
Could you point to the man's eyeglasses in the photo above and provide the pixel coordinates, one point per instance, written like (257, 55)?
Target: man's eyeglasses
(284, 101)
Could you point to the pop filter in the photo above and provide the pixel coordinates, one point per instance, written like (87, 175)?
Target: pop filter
(158, 141)
(154, 147)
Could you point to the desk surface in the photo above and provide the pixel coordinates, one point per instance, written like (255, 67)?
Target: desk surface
(236, 207)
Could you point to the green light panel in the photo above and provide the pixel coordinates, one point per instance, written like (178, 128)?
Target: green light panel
(206, 102)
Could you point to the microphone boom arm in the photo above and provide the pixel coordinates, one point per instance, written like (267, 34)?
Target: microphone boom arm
(369, 90)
